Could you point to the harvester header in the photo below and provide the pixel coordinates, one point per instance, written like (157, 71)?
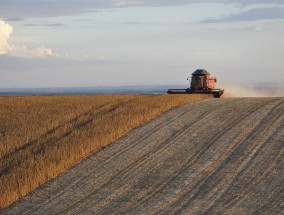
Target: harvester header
(200, 83)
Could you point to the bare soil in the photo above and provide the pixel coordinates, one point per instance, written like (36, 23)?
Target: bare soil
(216, 156)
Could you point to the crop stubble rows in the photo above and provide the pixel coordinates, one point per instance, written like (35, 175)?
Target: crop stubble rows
(40, 137)
(213, 157)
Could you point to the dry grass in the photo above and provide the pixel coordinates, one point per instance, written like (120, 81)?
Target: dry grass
(40, 137)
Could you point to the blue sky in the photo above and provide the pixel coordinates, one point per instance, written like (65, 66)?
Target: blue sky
(48, 43)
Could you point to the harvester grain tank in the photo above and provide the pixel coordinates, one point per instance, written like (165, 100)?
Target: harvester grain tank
(201, 83)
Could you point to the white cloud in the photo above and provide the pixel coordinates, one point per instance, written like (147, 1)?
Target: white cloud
(128, 2)
(5, 32)
(14, 50)
(40, 52)
(19, 51)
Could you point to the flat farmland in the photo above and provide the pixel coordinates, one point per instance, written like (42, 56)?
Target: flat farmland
(42, 136)
(215, 156)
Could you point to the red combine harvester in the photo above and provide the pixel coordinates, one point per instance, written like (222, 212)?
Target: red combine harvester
(201, 83)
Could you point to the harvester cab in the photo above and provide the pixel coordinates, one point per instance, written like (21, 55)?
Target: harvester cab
(200, 83)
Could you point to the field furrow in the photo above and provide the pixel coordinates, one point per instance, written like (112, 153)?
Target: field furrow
(215, 156)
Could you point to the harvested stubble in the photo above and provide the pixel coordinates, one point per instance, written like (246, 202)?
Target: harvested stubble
(40, 137)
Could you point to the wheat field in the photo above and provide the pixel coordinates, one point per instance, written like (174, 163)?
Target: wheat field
(42, 136)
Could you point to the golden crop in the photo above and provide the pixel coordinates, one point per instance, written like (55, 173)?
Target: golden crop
(41, 136)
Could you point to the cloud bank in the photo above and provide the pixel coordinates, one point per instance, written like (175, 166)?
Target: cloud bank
(18, 51)
(252, 15)
(5, 32)
(18, 9)
(39, 52)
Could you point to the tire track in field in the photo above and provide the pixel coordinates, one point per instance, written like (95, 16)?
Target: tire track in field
(250, 153)
(145, 158)
(157, 151)
(194, 158)
(131, 147)
(218, 156)
(277, 154)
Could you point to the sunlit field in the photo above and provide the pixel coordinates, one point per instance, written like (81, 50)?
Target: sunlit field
(41, 136)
